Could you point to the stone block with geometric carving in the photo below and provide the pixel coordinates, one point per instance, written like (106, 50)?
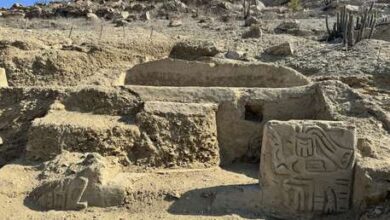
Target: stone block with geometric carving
(306, 167)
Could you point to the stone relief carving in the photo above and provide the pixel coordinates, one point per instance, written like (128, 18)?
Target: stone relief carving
(308, 165)
(64, 194)
(85, 180)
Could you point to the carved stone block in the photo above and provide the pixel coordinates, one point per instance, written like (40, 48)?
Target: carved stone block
(306, 167)
(63, 194)
(92, 182)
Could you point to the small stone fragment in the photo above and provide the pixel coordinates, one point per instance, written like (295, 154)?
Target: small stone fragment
(57, 106)
(173, 196)
(366, 147)
(378, 211)
(175, 23)
(192, 50)
(124, 14)
(145, 16)
(92, 17)
(206, 20)
(292, 27)
(234, 55)
(259, 5)
(284, 49)
(254, 32)
(120, 22)
(287, 27)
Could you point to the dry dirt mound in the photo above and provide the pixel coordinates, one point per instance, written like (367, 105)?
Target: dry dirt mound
(79, 60)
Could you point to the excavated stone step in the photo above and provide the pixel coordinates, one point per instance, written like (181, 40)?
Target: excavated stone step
(162, 134)
(178, 135)
(81, 132)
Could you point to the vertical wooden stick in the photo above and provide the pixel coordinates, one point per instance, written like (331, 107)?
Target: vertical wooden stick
(101, 32)
(70, 32)
(151, 33)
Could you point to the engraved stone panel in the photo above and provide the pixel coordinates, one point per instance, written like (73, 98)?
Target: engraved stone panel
(306, 167)
(86, 180)
(64, 194)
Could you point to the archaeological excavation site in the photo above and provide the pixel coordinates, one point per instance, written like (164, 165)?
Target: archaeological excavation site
(195, 109)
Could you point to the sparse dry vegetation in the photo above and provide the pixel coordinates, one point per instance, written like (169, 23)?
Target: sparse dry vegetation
(352, 29)
(295, 5)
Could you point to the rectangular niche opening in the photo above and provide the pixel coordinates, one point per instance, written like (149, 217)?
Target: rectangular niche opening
(254, 113)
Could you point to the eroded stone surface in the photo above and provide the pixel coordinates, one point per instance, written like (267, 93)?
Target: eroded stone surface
(192, 50)
(80, 132)
(162, 134)
(177, 134)
(307, 166)
(284, 49)
(64, 194)
(76, 181)
(372, 183)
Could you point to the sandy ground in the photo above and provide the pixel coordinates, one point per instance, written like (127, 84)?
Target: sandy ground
(153, 192)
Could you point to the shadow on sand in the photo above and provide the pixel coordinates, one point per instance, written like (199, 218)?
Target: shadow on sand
(241, 200)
